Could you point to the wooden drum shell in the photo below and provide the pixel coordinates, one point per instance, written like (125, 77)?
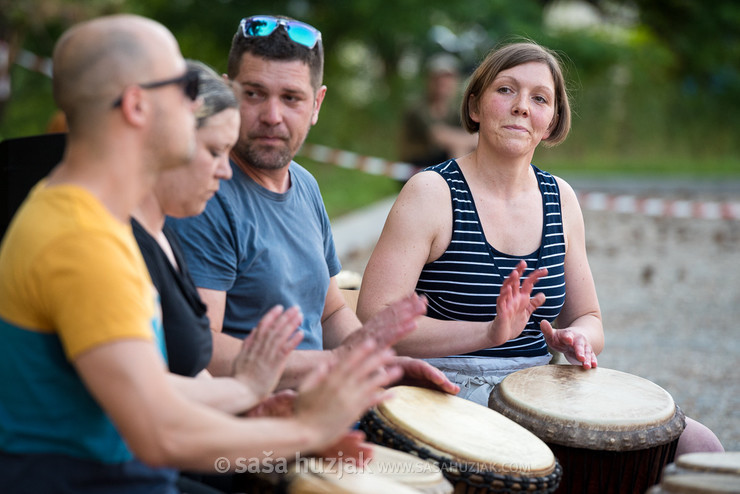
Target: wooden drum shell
(612, 457)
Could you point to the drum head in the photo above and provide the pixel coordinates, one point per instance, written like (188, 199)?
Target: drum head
(698, 483)
(408, 470)
(726, 462)
(322, 476)
(466, 432)
(599, 408)
(350, 483)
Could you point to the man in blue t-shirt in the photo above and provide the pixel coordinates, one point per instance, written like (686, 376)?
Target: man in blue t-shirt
(265, 237)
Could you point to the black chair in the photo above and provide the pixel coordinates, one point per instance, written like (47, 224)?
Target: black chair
(23, 162)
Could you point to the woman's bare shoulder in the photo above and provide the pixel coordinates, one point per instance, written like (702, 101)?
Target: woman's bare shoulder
(424, 188)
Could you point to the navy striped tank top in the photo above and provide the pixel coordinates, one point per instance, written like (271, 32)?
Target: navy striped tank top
(464, 283)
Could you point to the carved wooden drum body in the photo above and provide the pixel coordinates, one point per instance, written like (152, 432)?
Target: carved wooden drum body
(479, 450)
(611, 431)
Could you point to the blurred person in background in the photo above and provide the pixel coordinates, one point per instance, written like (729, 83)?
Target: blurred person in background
(431, 131)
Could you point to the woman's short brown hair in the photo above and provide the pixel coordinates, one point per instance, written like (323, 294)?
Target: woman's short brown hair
(512, 55)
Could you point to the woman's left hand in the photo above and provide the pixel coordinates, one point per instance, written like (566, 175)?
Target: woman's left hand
(573, 345)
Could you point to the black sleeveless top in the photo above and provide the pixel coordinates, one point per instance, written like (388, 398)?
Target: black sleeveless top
(464, 283)
(187, 330)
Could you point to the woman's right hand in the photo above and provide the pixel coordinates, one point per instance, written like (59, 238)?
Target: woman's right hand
(515, 304)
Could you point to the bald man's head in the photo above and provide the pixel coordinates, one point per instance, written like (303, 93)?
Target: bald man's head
(94, 61)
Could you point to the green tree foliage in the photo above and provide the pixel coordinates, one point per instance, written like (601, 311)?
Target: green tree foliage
(646, 88)
(35, 25)
(703, 39)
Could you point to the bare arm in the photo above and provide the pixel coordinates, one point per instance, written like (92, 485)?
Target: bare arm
(580, 335)
(417, 231)
(338, 320)
(342, 331)
(222, 393)
(455, 140)
(164, 428)
(225, 347)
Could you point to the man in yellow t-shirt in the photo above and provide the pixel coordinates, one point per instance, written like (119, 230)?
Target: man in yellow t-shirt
(65, 259)
(86, 404)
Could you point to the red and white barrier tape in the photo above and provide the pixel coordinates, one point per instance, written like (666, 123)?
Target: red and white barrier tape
(595, 201)
(367, 164)
(670, 208)
(25, 59)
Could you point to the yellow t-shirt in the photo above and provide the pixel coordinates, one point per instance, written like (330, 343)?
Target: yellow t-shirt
(71, 278)
(67, 266)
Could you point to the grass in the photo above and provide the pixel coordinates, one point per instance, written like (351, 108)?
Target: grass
(345, 190)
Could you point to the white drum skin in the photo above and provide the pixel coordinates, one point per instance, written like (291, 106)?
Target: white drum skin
(481, 450)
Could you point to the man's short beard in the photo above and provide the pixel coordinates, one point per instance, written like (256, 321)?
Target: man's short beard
(274, 159)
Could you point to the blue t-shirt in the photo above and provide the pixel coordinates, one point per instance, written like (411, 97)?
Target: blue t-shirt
(263, 248)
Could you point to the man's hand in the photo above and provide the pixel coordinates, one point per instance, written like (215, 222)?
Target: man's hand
(389, 325)
(419, 373)
(265, 351)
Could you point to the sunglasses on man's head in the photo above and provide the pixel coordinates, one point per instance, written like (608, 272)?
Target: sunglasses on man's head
(189, 83)
(264, 25)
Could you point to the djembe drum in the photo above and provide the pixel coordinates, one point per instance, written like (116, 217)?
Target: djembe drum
(328, 483)
(611, 431)
(701, 473)
(478, 450)
(387, 472)
(407, 469)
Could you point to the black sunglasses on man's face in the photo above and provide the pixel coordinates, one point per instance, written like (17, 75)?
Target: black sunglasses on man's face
(189, 82)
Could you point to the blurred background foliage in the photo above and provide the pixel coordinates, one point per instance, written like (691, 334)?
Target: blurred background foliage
(655, 84)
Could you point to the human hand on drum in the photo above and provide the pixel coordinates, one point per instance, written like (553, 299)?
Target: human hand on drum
(422, 374)
(515, 304)
(264, 353)
(336, 394)
(574, 346)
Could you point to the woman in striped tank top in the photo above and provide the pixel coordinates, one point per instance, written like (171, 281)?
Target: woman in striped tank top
(491, 240)
(495, 244)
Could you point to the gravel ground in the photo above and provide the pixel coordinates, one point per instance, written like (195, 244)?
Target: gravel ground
(669, 290)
